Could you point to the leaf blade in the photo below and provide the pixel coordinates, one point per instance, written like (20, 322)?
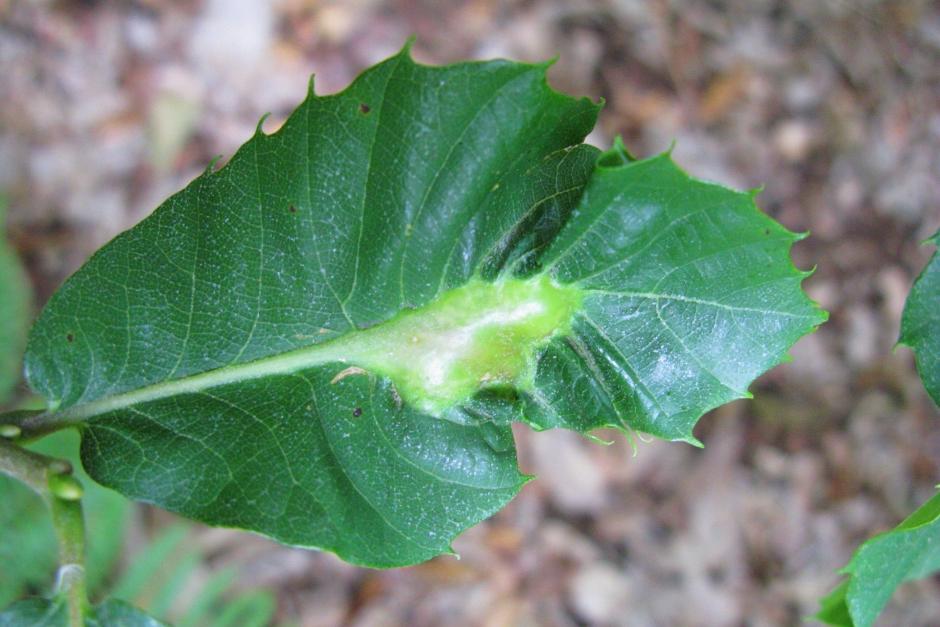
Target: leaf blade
(263, 351)
(659, 283)
(908, 551)
(882, 563)
(920, 322)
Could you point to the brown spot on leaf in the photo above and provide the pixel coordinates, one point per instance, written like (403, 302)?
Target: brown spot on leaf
(292, 209)
(69, 337)
(348, 372)
(364, 108)
(357, 412)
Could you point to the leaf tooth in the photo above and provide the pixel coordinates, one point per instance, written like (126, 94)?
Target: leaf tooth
(259, 129)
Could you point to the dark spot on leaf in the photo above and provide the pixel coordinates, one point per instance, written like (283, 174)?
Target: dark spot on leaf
(766, 231)
(364, 108)
(69, 338)
(292, 209)
(357, 412)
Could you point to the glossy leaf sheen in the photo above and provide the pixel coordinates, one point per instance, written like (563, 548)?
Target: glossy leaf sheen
(236, 356)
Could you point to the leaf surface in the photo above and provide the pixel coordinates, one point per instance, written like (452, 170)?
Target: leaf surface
(911, 550)
(689, 295)
(920, 323)
(326, 340)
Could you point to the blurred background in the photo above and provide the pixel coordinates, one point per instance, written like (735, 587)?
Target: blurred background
(832, 106)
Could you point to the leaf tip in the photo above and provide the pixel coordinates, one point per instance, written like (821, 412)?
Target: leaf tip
(616, 156)
(596, 439)
(622, 148)
(547, 63)
(210, 168)
(800, 235)
(691, 439)
(311, 91)
(805, 274)
(259, 129)
(407, 47)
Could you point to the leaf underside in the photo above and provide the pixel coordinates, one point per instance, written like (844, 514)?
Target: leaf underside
(911, 550)
(204, 352)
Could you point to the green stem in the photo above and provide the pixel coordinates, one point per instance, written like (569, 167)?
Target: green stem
(52, 479)
(25, 425)
(70, 583)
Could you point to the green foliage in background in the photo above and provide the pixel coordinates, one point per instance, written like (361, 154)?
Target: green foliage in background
(14, 311)
(326, 340)
(909, 551)
(912, 549)
(29, 540)
(157, 573)
(54, 612)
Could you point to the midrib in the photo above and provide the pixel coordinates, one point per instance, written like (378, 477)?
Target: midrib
(280, 364)
(436, 355)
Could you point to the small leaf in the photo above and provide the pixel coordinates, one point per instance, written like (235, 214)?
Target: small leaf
(326, 340)
(909, 551)
(920, 323)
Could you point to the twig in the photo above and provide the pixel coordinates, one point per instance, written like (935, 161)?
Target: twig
(52, 479)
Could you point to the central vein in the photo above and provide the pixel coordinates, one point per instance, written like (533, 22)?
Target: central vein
(470, 337)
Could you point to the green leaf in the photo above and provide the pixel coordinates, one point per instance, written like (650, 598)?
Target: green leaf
(54, 613)
(689, 295)
(14, 311)
(833, 609)
(326, 340)
(920, 323)
(909, 551)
